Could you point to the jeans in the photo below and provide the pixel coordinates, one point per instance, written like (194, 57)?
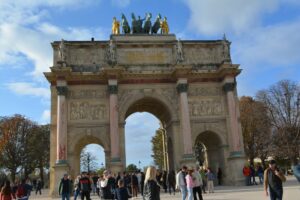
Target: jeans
(275, 194)
(190, 193)
(183, 190)
(261, 178)
(65, 196)
(76, 193)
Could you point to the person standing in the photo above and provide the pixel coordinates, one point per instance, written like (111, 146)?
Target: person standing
(151, 188)
(189, 184)
(121, 191)
(22, 191)
(247, 173)
(260, 174)
(85, 186)
(203, 176)
(76, 187)
(210, 180)
(134, 185)
(252, 174)
(181, 182)
(197, 184)
(219, 176)
(171, 181)
(6, 192)
(142, 182)
(107, 185)
(273, 179)
(64, 188)
(38, 187)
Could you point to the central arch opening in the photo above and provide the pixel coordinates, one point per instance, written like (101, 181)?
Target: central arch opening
(145, 119)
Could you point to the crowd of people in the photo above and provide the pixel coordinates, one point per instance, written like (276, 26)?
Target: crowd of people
(20, 189)
(122, 186)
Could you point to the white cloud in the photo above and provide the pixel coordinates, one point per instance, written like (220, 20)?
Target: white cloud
(217, 17)
(45, 118)
(30, 89)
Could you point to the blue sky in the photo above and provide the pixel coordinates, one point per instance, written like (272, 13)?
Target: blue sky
(265, 41)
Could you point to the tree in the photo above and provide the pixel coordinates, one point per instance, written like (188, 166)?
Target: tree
(131, 168)
(87, 161)
(283, 106)
(256, 128)
(157, 149)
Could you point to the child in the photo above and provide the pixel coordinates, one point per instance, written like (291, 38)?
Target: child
(121, 192)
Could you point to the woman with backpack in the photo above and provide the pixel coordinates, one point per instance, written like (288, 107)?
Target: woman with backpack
(6, 192)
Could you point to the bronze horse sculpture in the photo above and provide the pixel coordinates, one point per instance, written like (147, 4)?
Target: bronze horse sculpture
(147, 25)
(156, 25)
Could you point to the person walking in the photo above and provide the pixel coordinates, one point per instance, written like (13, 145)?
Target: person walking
(76, 187)
(273, 179)
(189, 184)
(181, 182)
(171, 181)
(210, 180)
(64, 188)
(247, 173)
(151, 188)
(6, 192)
(38, 187)
(197, 184)
(85, 186)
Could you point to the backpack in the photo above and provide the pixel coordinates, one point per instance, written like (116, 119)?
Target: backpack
(21, 192)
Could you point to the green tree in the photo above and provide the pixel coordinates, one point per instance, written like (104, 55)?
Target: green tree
(157, 149)
(131, 168)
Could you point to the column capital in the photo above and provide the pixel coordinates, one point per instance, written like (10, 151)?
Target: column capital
(229, 87)
(182, 87)
(62, 90)
(112, 89)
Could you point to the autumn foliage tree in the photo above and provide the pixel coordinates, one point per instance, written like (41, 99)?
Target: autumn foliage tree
(256, 128)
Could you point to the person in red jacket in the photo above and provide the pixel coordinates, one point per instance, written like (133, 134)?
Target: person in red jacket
(247, 173)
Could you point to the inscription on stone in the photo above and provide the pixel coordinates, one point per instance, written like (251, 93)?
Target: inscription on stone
(87, 111)
(206, 107)
(87, 94)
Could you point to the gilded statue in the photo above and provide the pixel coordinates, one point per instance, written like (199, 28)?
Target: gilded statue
(115, 26)
(164, 26)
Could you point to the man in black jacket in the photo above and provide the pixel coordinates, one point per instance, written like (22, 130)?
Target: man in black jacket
(85, 186)
(64, 188)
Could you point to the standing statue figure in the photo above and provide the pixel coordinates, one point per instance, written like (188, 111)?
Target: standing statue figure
(62, 52)
(140, 24)
(226, 50)
(147, 25)
(156, 25)
(164, 26)
(115, 26)
(111, 53)
(125, 25)
(134, 24)
(179, 50)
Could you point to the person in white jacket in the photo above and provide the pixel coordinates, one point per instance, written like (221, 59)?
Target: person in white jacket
(181, 182)
(197, 184)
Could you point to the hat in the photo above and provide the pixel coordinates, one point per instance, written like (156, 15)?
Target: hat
(272, 162)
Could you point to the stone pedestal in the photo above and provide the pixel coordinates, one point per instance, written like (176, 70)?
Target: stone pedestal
(235, 166)
(59, 171)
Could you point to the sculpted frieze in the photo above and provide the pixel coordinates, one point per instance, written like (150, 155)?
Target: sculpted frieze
(204, 91)
(206, 107)
(87, 111)
(87, 94)
(202, 55)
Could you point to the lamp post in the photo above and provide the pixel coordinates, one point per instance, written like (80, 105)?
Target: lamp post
(139, 164)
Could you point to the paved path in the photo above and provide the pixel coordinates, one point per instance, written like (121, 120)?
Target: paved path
(291, 192)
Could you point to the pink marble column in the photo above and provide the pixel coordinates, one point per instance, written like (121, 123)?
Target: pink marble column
(229, 88)
(114, 120)
(61, 154)
(185, 123)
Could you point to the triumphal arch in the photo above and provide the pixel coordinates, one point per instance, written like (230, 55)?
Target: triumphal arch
(190, 85)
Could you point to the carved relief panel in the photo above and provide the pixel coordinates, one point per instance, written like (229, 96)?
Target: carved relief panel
(85, 110)
(206, 107)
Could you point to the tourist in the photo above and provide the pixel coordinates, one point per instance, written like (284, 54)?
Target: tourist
(151, 188)
(64, 188)
(38, 187)
(142, 182)
(197, 184)
(134, 185)
(252, 175)
(273, 179)
(121, 191)
(95, 178)
(6, 192)
(260, 173)
(247, 173)
(22, 191)
(107, 185)
(203, 173)
(189, 184)
(171, 181)
(85, 186)
(181, 182)
(219, 176)
(210, 180)
(76, 187)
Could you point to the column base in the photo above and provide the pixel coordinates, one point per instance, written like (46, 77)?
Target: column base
(188, 160)
(236, 162)
(116, 165)
(59, 169)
